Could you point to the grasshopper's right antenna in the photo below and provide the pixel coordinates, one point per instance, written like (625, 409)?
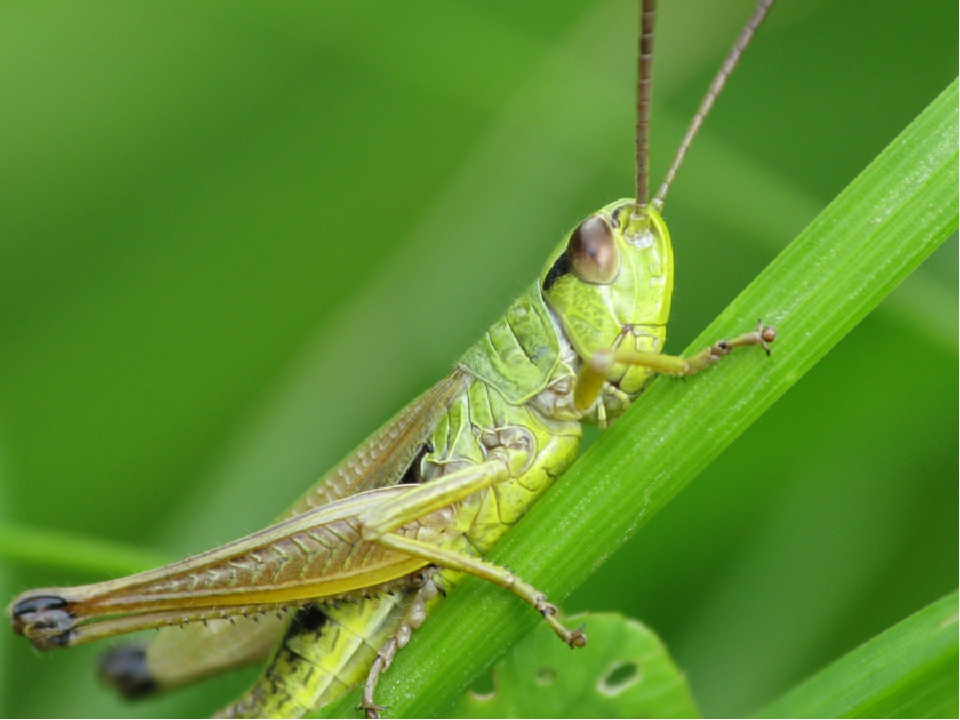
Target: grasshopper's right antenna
(644, 90)
(707, 103)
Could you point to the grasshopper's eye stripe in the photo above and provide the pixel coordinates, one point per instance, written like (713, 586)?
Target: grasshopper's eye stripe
(592, 251)
(560, 268)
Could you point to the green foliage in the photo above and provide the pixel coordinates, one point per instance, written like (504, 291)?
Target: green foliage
(237, 238)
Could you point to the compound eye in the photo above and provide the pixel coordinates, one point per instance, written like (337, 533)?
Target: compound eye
(593, 252)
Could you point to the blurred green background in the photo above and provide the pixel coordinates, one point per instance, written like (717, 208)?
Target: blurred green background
(236, 237)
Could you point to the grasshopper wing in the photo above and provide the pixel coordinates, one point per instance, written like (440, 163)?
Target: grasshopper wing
(177, 656)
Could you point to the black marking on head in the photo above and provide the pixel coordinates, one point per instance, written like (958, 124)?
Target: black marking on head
(125, 669)
(617, 212)
(560, 268)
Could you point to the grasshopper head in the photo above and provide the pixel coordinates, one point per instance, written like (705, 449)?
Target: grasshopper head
(610, 283)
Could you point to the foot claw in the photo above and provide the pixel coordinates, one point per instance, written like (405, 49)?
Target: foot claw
(767, 334)
(578, 638)
(372, 711)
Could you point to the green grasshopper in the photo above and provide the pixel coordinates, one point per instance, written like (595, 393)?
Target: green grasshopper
(363, 556)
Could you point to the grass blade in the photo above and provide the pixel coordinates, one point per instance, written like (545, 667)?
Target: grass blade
(908, 671)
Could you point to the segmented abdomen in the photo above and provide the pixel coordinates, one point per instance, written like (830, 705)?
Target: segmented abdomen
(325, 652)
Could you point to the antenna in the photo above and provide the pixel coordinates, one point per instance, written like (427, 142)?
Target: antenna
(644, 91)
(733, 57)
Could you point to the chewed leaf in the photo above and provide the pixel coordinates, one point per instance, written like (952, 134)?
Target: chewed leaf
(624, 671)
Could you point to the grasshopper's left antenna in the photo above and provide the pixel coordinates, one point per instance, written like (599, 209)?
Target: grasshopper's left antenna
(644, 90)
(733, 57)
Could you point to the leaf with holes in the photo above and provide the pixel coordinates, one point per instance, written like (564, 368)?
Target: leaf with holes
(625, 672)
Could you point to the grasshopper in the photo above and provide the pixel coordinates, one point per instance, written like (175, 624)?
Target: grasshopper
(362, 557)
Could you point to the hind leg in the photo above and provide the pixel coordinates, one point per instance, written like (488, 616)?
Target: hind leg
(413, 618)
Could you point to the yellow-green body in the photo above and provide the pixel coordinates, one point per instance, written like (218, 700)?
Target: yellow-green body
(521, 376)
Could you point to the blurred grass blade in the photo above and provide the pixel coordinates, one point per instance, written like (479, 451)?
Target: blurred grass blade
(908, 671)
(70, 551)
(900, 208)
